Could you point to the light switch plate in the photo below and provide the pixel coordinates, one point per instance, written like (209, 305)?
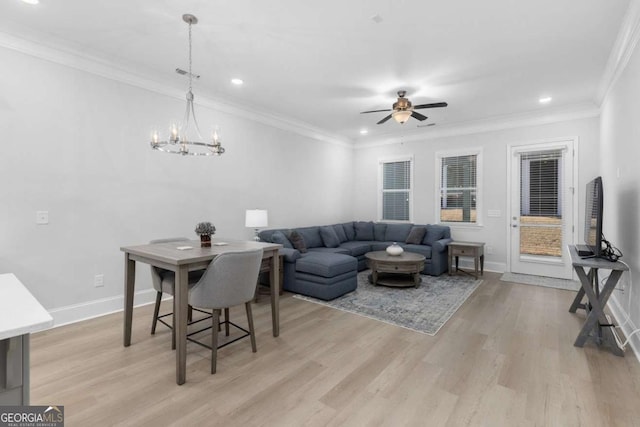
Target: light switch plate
(42, 217)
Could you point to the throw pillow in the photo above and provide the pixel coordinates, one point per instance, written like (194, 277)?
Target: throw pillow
(297, 241)
(416, 235)
(433, 234)
(342, 236)
(280, 238)
(364, 230)
(329, 236)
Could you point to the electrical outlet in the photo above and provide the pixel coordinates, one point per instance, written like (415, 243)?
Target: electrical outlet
(98, 280)
(489, 250)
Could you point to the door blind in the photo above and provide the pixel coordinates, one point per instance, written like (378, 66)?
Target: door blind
(541, 203)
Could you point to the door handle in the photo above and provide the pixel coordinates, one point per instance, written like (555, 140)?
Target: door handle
(515, 225)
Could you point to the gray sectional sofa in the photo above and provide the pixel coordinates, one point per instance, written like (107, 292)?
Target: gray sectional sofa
(323, 261)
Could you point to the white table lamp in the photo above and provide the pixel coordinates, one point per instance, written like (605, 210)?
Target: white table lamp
(256, 218)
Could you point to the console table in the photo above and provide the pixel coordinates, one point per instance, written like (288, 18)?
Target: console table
(470, 249)
(596, 325)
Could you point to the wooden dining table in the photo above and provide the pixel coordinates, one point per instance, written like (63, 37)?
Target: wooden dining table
(182, 257)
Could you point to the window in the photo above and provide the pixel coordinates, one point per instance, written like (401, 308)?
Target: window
(458, 188)
(395, 190)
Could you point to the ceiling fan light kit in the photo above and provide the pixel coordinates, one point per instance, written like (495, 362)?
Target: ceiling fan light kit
(402, 109)
(401, 116)
(179, 142)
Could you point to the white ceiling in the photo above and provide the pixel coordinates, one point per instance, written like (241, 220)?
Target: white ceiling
(322, 63)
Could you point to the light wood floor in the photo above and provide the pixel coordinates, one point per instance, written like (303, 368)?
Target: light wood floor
(506, 358)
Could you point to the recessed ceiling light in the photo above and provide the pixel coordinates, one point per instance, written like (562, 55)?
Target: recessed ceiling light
(237, 82)
(545, 100)
(363, 131)
(31, 1)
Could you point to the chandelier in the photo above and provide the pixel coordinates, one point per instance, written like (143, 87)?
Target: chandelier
(179, 142)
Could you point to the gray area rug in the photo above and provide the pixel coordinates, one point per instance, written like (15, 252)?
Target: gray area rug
(425, 309)
(547, 282)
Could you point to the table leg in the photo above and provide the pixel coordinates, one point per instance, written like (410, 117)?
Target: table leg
(129, 289)
(374, 277)
(476, 259)
(482, 265)
(274, 281)
(450, 258)
(181, 295)
(597, 304)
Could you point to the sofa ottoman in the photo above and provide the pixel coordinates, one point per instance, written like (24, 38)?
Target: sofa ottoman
(325, 275)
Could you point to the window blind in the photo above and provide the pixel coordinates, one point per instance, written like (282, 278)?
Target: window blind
(396, 190)
(458, 188)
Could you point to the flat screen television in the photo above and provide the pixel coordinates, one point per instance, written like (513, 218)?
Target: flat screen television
(593, 217)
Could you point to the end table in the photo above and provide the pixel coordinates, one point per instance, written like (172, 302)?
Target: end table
(469, 249)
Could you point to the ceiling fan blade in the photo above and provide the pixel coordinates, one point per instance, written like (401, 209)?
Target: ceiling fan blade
(418, 116)
(434, 105)
(384, 120)
(375, 111)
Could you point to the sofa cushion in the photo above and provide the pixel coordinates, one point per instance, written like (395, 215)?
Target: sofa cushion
(339, 229)
(349, 230)
(311, 236)
(433, 234)
(418, 249)
(357, 248)
(378, 231)
(298, 241)
(380, 246)
(326, 264)
(416, 235)
(329, 236)
(397, 232)
(343, 251)
(364, 230)
(280, 238)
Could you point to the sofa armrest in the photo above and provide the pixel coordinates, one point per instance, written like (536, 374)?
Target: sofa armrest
(441, 245)
(289, 255)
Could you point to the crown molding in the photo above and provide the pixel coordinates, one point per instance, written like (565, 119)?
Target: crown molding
(110, 70)
(621, 51)
(510, 121)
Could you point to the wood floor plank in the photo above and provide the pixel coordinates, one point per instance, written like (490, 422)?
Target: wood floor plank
(505, 358)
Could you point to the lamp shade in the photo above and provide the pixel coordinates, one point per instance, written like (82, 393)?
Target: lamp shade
(256, 218)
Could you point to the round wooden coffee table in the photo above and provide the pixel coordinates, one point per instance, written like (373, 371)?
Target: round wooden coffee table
(395, 270)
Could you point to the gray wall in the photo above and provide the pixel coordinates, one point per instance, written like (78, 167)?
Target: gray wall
(494, 146)
(618, 161)
(76, 145)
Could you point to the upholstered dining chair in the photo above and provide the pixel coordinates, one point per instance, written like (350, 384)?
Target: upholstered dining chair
(164, 283)
(229, 280)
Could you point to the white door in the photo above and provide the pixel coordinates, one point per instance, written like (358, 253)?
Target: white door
(542, 208)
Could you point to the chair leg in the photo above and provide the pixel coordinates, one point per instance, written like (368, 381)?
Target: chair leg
(252, 332)
(214, 339)
(156, 311)
(226, 324)
(190, 314)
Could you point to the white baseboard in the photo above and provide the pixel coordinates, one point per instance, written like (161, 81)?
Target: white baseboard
(627, 326)
(89, 310)
(497, 267)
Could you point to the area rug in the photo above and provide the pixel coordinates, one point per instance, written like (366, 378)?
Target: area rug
(547, 282)
(424, 309)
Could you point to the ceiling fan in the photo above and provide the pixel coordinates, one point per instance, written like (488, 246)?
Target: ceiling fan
(402, 109)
